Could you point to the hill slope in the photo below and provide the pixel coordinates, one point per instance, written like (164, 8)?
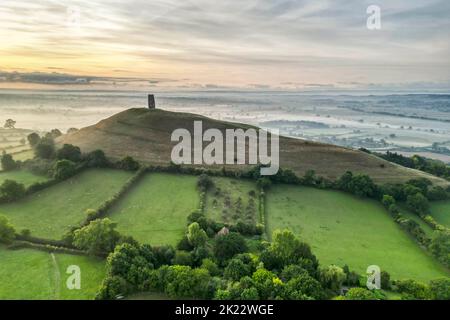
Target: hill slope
(145, 135)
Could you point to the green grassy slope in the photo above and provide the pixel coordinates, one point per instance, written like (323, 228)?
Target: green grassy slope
(21, 176)
(343, 229)
(222, 201)
(51, 212)
(156, 209)
(440, 210)
(145, 135)
(31, 275)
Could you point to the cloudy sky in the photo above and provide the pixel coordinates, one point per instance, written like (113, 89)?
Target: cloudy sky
(251, 44)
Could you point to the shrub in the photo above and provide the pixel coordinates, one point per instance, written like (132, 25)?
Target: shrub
(226, 246)
(359, 294)
(7, 231)
(64, 169)
(8, 162)
(69, 152)
(11, 190)
(128, 164)
(99, 237)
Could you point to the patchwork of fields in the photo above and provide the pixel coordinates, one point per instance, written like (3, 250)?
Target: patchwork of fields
(51, 212)
(156, 209)
(440, 210)
(231, 200)
(33, 275)
(343, 229)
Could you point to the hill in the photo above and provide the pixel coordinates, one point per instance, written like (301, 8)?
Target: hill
(145, 135)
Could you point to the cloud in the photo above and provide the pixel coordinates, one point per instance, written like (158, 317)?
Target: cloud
(231, 42)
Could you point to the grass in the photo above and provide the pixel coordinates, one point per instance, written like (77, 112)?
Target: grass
(156, 209)
(51, 212)
(33, 275)
(343, 229)
(223, 204)
(22, 176)
(440, 210)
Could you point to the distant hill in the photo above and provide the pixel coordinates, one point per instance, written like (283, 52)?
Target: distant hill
(145, 135)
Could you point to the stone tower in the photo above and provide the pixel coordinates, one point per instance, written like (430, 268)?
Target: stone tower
(151, 101)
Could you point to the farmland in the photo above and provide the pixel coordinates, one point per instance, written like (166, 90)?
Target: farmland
(51, 212)
(30, 274)
(230, 200)
(156, 209)
(343, 229)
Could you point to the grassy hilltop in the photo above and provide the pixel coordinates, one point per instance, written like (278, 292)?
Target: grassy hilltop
(145, 135)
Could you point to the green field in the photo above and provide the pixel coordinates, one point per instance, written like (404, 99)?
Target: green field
(231, 200)
(440, 210)
(32, 275)
(156, 209)
(22, 176)
(51, 212)
(343, 229)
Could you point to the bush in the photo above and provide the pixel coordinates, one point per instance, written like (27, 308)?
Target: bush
(418, 203)
(98, 238)
(128, 164)
(96, 159)
(440, 289)
(69, 152)
(64, 169)
(413, 290)
(360, 294)
(11, 190)
(7, 231)
(8, 162)
(227, 246)
(45, 149)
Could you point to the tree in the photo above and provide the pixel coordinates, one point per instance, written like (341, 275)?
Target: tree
(204, 182)
(440, 246)
(99, 237)
(128, 163)
(11, 190)
(196, 235)
(236, 269)
(69, 152)
(64, 169)
(33, 139)
(387, 201)
(55, 133)
(226, 246)
(440, 289)
(332, 277)
(45, 149)
(418, 203)
(411, 290)
(287, 249)
(9, 124)
(112, 288)
(72, 130)
(7, 231)
(8, 162)
(360, 294)
(97, 159)
(303, 286)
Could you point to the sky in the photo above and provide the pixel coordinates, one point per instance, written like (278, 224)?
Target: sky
(252, 44)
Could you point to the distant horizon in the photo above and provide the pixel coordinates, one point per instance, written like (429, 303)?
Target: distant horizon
(197, 44)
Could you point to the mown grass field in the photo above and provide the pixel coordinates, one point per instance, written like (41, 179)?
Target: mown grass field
(343, 229)
(35, 275)
(21, 176)
(231, 200)
(156, 209)
(51, 212)
(440, 210)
